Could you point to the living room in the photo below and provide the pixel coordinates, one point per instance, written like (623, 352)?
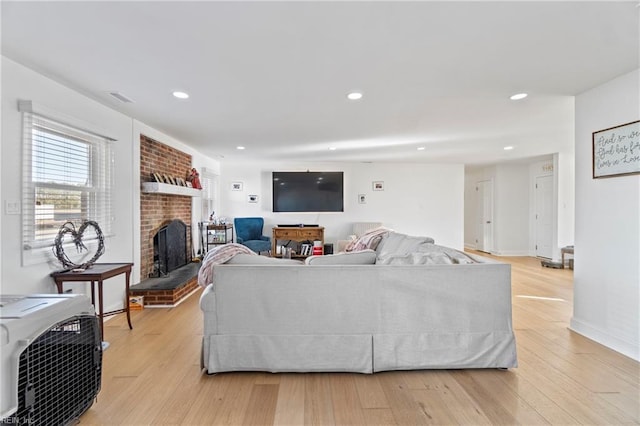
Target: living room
(599, 216)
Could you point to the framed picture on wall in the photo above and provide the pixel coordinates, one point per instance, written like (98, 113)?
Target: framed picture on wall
(236, 186)
(616, 151)
(378, 185)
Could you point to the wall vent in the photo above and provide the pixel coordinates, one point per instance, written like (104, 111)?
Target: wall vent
(122, 97)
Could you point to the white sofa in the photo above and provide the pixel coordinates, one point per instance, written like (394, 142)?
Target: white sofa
(283, 316)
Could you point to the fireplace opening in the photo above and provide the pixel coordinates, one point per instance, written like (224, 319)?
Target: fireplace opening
(170, 249)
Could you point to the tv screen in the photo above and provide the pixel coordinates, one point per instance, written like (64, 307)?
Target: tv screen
(308, 192)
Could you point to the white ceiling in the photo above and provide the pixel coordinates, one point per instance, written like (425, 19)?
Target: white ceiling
(273, 76)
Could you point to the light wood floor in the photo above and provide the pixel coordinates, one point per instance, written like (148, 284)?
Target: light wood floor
(151, 375)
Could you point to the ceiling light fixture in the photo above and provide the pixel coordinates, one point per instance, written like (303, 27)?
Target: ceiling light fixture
(181, 95)
(421, 148)
(518, 96)
(354, 96)
(240, 148)
(508, 148)
(332, 148)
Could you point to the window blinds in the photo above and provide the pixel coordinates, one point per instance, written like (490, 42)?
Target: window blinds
(67, 176)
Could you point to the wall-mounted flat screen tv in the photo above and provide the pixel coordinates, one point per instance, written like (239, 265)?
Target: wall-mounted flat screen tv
(308, 192)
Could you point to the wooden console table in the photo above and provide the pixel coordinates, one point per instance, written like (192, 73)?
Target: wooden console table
(97, 274)
(298, 233)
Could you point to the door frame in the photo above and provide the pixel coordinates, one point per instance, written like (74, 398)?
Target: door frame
(481, 229)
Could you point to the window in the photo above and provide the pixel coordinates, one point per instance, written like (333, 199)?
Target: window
(67, 177)
(209, 193)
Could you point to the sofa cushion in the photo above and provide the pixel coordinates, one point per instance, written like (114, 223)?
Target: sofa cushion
(395, 243)
(416, 259)
(249, 259)
(456, 256)
(362, 257)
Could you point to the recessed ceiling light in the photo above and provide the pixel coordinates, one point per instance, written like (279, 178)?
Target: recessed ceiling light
(421, 148)
(181, 95)
(332, 148)
(508, 148)
(240, 148)
(518, 96)
(354, 96)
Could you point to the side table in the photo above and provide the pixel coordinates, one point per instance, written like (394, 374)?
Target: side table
(219, 236)
(97, 274)
(564, 251)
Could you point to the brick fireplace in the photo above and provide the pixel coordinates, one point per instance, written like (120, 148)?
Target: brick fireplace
(158, 210)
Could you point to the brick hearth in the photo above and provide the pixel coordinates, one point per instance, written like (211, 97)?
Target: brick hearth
(168, 291)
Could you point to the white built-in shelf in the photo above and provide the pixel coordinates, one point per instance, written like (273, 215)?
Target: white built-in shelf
(165, 188)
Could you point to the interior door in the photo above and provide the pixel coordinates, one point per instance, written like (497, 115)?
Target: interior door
(544, 216)
(484, 190)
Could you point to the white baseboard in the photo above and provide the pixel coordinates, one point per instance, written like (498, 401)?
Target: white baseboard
(630, 349)
(116, 306)
(518, 253)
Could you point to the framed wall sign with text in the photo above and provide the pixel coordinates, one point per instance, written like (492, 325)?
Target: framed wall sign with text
(616, 151)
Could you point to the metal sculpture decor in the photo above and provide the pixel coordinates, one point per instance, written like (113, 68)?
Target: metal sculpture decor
(77, 235)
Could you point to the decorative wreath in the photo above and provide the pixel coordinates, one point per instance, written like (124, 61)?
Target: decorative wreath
(69, 228)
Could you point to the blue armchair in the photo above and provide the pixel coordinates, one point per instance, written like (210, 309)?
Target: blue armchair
(249, 233)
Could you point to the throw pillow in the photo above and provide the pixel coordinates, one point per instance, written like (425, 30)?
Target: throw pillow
(368, 240)
(362, 257)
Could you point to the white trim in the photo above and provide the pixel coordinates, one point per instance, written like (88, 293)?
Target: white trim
(165, 188)
(630, 349)
(518, 253)
(39, 109)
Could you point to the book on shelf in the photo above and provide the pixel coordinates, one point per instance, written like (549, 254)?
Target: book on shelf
(305, 249)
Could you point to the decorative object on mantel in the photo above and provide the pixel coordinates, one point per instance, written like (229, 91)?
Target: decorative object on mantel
(616, 151)
(194, 177)
(69, 228)
(378, 185)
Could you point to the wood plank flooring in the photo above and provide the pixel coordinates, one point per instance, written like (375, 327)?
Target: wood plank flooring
(151, 376)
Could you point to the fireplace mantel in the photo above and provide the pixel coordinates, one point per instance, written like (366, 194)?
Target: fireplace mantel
(165, 188)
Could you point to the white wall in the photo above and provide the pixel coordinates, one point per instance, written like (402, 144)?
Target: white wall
(418, 199)
(564, 174)
(19, 82)
(514, 205)
(607, 248)
(511, 212)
